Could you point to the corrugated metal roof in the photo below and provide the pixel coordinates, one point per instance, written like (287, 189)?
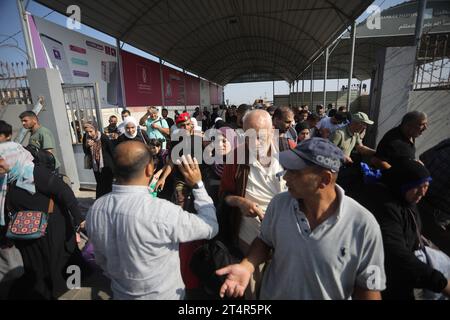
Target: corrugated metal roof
(397, 29)
(224, 40)
(365, 58)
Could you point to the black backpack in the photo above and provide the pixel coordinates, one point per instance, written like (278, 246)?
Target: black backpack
(207, 259)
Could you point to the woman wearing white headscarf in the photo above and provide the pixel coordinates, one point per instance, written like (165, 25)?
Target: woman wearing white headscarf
(29, 187)
(98, 147)
(195, 125)
(133, 132)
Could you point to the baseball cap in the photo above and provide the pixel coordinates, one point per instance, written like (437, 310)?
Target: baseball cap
(361, 117)
(183, 117)
(314, 151)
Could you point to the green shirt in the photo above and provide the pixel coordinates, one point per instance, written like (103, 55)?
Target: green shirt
(42, 139)
(155, 133)
(346, 140)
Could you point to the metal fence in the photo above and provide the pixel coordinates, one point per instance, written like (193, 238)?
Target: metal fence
(432, 69)
(14, 88)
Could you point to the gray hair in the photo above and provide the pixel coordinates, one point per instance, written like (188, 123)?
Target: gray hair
(153, 110)
(261, 115)
(413, 117)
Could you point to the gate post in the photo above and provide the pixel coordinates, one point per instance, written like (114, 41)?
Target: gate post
(46, 82)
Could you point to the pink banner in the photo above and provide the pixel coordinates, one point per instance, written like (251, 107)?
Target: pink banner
(193, 91)
(174, 90)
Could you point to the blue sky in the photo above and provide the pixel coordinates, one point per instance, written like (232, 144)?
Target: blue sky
(235, 93)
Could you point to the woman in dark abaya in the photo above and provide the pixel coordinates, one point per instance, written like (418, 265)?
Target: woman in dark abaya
(25, 186)
(98, 147)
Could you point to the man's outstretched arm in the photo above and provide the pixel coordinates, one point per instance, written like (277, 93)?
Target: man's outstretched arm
(238, 275)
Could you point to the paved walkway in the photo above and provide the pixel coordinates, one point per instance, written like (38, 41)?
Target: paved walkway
(94, 286)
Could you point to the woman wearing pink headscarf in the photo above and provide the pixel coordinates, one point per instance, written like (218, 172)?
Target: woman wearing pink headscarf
(224, 142)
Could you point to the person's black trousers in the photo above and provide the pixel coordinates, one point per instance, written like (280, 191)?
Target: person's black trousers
(104, 181)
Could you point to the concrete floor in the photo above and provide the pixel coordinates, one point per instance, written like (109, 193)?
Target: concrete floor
(94, 286)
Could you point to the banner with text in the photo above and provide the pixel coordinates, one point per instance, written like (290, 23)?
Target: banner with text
(142, 80)
(80, 59)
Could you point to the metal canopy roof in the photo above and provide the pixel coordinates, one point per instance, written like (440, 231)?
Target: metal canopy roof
(224, 40)
(397, 30)
(365, 58)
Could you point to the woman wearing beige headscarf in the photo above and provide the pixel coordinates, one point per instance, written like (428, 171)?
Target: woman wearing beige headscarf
(97, 146)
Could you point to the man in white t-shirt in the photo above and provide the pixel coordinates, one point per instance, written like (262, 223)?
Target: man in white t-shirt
(328, 125)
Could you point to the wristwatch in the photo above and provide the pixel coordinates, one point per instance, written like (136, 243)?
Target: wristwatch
(198, 185)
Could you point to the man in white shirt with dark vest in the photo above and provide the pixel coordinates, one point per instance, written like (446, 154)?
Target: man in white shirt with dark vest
(324, 244)
(136, 236)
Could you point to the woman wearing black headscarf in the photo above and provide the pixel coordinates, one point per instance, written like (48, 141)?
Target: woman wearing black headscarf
(394, 204)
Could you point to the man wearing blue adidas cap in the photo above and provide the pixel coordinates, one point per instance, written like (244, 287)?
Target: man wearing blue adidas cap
(322, 244)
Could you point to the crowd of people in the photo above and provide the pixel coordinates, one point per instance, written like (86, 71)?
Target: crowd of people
(292, 195)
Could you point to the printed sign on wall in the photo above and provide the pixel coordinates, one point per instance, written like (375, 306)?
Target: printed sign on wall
(80, 59)
(142, 80)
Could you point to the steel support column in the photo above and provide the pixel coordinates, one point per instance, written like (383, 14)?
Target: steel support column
(303, 89)
(163, 100)
(121, 79)
(421, 6)
(311, 89)
(337, 91)
(352, 57)
(325, 78)
(26, 33)
(185, 89)
(273, 92)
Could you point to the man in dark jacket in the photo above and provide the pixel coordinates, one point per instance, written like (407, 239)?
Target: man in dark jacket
(399, 142)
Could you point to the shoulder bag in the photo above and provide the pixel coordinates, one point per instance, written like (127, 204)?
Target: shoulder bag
(428, 253)
(28, 224)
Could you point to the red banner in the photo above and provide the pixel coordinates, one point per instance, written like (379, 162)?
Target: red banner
(193, 90)
(174, 91)
(213, 93)
(142, 80)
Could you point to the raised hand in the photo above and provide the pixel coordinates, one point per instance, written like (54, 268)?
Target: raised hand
(190, 170)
